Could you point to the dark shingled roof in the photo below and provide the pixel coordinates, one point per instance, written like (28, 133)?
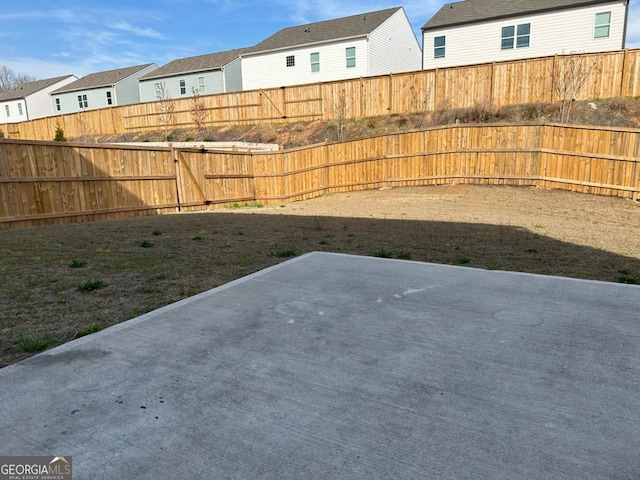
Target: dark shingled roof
(319, 32)
(474, 11)
(30, 88)
(102, 79)
(201, 63)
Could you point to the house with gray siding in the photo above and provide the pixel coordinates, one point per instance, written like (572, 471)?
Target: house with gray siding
(207, 74)
(30, 100)
(368, 44)
(101, 90)
(482, 31)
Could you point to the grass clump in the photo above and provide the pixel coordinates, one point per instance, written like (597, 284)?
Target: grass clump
(157, 232)
(382, 253)
(91, 285)
(626, 277)
(34, 343)
(78, 263)
(146, 244)
(461, 260)
(285, 253)
(89, 330)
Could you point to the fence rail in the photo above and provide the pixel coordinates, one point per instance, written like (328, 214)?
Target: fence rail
(611, 74)
(51, 182)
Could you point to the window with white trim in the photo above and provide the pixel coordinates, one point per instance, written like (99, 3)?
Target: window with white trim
(183, 87)
(158, 90)
(20, 109)
(58, 107)
(291, 61)
(515, 36)
(201, 84)
(109, 99)
(350, 54)
(602, 25)
(315, 62)
(7, 110)
(82, 101)
(439, 44)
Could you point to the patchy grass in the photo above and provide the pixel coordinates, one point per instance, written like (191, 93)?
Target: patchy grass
(40, 294)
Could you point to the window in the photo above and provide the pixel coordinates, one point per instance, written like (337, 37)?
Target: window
(351, 57)
(438, 47)
(82, 101)
(518, 36)
(6, 109)
(109, 100)
(158, 90)
(315, 62)
(183, 87)
(58, 108)
(603, 25)
(19, 108)
(291, 61)
(201, 84)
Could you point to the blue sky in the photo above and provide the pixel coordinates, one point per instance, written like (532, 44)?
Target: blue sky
(58, 37)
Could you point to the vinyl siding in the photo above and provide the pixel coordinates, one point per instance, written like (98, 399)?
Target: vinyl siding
(213, 83)
(551, 33)
(14, 115)
(393, 47)
(127, 91)
(96, 98)
(233, 76)
(269, 70)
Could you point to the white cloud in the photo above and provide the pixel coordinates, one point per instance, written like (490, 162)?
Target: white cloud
(141, 32)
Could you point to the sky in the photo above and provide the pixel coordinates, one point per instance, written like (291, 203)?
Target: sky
(50, 38)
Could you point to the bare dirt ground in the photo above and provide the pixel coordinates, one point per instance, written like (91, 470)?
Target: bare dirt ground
(64, 281)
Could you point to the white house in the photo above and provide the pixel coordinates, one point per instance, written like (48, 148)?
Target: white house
(30, 100)
(208, 74)
(374, 43)
(101, 90)
(481, 31)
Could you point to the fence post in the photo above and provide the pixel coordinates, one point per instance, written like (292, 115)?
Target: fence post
(624, 70)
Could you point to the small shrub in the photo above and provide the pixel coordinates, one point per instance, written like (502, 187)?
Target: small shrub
(157, 232)
(146, 244)
(32, 344)
(404, 256)
(78, 263)
(382, 253)
(59, 135)
(91, 285)
(189, 139)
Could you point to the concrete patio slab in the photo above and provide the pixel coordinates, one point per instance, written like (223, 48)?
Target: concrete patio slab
(335, 366)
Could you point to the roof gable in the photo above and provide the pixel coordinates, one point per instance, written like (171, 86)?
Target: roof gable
(475, 11)
(200, 63)
(346, 27)
(30, 88)
(107, 78)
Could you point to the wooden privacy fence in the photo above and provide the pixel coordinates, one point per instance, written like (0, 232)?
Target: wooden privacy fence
(49, 182)
(611, 74)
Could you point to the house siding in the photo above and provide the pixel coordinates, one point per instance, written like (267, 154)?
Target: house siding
(393, 47)
(268, 70)
(127, 91)
(213, 83)
(567, 31)
(96, 98)
(14, 115)
(233, 76)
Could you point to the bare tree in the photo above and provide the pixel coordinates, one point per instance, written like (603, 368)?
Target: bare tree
(166, 107)
(420, 104)
(571, 73)
(9, 79)
(198, 112)
(340, 114)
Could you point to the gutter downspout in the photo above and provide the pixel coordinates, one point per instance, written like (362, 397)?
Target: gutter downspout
(626, 19)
